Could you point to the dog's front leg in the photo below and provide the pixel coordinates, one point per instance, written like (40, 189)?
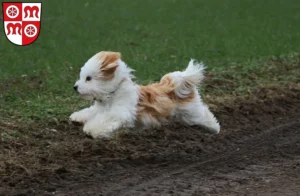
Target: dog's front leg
(101, 127)
(104, 124)
(83, 115)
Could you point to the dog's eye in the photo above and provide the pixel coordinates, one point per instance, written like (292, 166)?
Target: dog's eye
(88, 78)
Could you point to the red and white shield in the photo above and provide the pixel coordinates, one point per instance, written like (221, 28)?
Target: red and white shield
(22, 22)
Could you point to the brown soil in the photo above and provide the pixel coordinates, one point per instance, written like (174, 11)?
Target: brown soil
(257, 153)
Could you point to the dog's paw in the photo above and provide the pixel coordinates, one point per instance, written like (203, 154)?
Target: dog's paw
(104, 132)
(77, 117)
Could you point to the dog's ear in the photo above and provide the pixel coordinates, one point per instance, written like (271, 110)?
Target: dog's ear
(109, 64)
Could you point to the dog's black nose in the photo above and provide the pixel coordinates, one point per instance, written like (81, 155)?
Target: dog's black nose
(75, 87)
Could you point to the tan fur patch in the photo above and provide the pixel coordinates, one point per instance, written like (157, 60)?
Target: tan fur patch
(109, 64)
(157, 101)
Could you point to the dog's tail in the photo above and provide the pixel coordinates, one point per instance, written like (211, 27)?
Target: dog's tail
(186, 81)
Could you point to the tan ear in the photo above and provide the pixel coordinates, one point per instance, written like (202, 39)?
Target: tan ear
(109, 59)
(109, 63)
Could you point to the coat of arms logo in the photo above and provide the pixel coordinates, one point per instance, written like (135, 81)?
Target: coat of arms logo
(22, 22)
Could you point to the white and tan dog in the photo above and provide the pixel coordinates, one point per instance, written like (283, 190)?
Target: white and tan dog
(120, 103)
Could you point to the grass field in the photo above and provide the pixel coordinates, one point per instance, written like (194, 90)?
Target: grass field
(245, 44)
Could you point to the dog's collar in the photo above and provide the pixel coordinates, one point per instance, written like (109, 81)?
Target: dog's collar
(110, 94)
(118, 87)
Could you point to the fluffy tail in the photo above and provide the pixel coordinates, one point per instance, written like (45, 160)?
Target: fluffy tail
(195, 112)
(186, 81)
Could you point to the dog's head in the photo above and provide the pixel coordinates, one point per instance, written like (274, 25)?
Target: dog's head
(101, 75)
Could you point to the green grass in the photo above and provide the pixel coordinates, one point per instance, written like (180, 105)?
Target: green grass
(233, 37)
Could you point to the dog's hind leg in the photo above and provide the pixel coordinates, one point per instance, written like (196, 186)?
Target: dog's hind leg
(197, 113)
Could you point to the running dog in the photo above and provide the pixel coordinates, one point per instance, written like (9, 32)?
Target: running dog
(121, 103)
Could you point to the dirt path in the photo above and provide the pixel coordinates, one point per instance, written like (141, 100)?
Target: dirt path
(257, 153)
(267, 163)
(255, 163)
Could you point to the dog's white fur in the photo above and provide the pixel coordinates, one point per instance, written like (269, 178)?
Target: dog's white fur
(121, 103)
